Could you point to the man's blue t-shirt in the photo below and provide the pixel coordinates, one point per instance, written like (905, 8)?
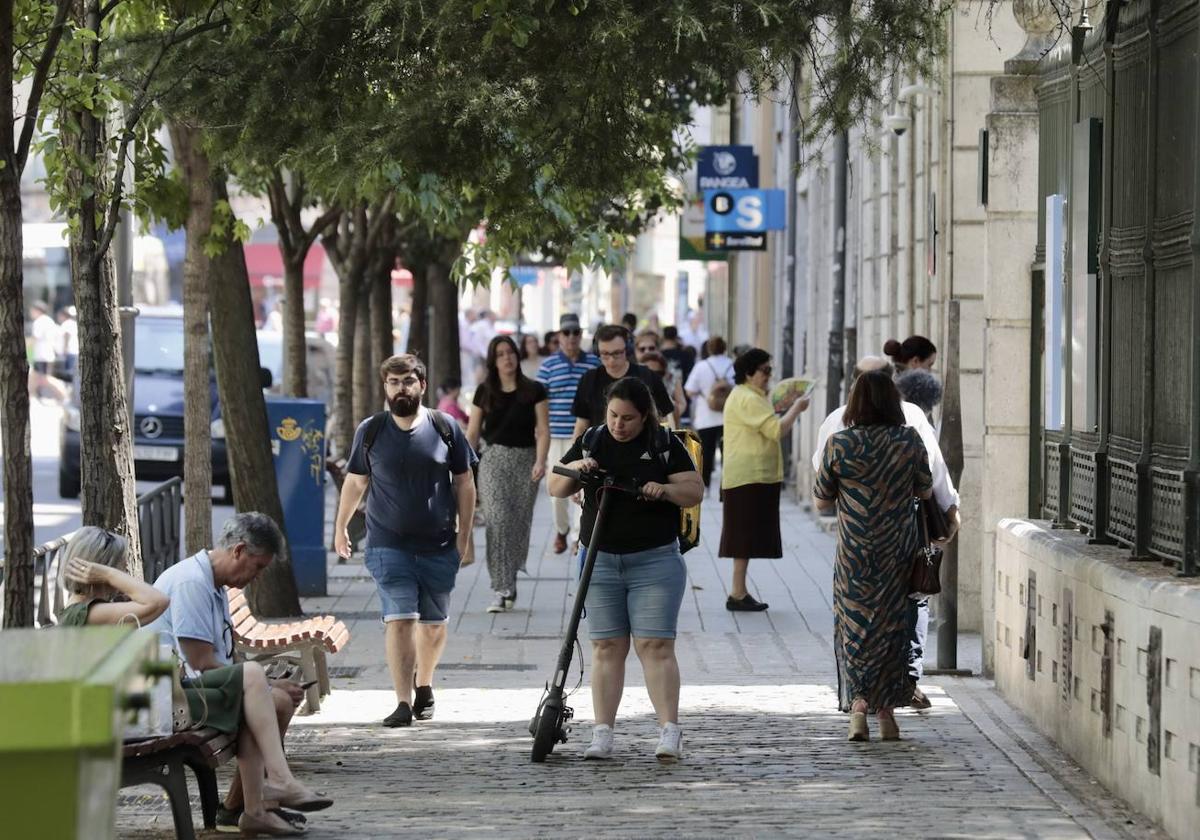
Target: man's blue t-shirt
(411, 502)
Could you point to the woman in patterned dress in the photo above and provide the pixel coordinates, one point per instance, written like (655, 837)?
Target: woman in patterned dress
(870, 472)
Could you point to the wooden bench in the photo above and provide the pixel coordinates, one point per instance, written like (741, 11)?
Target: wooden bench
(160, 761)
(307, 641)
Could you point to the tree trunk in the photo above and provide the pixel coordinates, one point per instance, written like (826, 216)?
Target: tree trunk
(197, 400)
(418, 325)
(295, 353)
(364, 390)
(106, 441)
(343, 388)
(443, 295)
(383, 341)
(14, 379)
(247, 440)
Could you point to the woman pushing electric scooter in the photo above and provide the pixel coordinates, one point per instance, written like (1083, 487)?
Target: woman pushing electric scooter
(635, 477)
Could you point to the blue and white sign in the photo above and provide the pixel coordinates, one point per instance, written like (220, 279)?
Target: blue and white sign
(744, 211)
(727, 167)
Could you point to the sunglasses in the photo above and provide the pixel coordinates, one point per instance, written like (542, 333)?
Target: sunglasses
(570, 333)
(647, 348)
(765, 369)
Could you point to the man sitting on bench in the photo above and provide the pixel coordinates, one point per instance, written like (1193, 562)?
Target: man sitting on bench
(198, 625)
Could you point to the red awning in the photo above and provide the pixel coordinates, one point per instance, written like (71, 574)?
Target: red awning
(265, 265)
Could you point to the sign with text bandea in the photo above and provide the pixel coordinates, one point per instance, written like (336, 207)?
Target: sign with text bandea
(727, 167)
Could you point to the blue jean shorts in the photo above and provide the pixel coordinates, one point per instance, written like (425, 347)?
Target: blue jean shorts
(414, 585)
(636, 594)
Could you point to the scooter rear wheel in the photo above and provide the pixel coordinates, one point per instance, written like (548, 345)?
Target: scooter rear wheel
(548, 727)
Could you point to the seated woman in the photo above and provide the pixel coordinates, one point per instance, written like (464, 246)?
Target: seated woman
(638, 581)
(234, 700)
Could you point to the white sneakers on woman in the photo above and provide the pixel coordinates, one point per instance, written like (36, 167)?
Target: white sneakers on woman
(602, 742)
(670, 743)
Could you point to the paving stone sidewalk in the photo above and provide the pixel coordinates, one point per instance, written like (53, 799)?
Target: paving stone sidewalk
(766, 754)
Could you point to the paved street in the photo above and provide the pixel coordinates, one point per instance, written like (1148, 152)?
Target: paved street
(766, 754)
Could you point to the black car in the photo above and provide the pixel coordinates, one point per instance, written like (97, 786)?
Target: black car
(158, 409)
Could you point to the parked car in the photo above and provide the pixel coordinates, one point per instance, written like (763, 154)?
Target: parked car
(157, 409)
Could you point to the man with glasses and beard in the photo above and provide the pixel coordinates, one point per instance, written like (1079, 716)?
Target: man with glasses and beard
(560, 373)
(417, 464)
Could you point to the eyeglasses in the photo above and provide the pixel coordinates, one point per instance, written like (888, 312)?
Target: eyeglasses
(647, 348)
(571, 333)
(406, 382)
(612, 354)
(765, 369)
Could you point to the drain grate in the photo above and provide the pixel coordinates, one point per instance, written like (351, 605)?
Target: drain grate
(345, 672)
(485, 666)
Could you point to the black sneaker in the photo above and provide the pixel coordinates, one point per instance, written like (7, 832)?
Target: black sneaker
(227, 818)
(744, 604)
(401, 717)
(422, 708)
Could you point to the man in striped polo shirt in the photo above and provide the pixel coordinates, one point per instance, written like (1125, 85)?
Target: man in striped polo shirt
(561, 374)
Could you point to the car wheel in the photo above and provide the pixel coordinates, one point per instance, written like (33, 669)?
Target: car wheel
(68, 485)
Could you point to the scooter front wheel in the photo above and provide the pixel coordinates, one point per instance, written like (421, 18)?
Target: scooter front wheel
(547, 734)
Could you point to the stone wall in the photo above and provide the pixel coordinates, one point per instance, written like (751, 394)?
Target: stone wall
(1102, 653)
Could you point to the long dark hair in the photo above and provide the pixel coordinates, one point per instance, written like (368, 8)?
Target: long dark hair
(492, 388)
(874, 401)
(635, 391)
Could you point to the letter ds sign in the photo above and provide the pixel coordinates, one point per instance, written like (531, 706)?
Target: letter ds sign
(738, 220)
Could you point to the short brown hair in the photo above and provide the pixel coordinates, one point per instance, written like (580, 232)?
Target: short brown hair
(716, 346)
(610, 331)
(874, 401)
(401, 364)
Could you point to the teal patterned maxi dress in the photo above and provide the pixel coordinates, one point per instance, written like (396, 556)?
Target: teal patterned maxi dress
(873, 472)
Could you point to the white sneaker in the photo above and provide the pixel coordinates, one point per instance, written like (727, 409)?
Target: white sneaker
(670, 743)
(499, 603)
(602, 742)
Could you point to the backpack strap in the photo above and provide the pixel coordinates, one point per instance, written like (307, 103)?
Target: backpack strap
(442, 423)
(662, 445)
(374, 427)
(590, 437)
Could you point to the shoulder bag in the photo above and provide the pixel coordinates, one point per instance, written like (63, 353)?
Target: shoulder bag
(925, 577)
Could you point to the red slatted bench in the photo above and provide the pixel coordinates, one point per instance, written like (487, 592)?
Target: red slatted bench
(309, 640)
(160, 761)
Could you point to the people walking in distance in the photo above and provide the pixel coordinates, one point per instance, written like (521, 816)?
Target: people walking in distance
(752, 472)
(639, 579)
(870, 472)
(417, 463)
(531, 355)
(591, 401)
(943, 493)
(709, 387)
(550, 345)
(448, 403)
(44, 352)
(560, 373)
(678, 356)
(512, 415)
(68, 329)
(657, 364)
(222, 692)
(916, 351)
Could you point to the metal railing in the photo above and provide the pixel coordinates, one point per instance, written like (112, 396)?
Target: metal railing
(158, 514)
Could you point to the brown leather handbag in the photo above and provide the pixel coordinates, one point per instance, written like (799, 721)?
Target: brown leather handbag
(925, 577)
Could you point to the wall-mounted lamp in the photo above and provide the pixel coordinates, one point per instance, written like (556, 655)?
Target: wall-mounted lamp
(1079, 34)
(910, 92)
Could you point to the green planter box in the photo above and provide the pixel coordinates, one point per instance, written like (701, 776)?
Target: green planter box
(64, 700)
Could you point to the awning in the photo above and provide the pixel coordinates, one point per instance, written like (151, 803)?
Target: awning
(264, 264)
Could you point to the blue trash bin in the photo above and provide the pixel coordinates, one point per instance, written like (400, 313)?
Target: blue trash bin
(298, 443)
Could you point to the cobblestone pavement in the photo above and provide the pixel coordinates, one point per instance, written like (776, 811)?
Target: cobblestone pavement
(765, 749)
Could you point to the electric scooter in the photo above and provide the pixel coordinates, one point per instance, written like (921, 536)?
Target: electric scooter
(550, 723)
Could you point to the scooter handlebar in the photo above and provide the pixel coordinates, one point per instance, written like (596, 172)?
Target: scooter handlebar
(571, 474)
(599, 478)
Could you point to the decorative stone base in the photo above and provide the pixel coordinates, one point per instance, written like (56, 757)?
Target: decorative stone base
(1103, 654)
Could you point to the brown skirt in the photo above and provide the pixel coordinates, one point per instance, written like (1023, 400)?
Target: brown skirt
(750, 522)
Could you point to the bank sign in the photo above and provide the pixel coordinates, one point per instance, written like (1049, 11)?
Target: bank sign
(727, 167)
(738, 220)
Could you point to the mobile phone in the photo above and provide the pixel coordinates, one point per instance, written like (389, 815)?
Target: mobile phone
(307, 685)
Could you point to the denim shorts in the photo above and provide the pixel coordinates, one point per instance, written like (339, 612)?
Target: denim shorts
(414, 585)
(636, 594)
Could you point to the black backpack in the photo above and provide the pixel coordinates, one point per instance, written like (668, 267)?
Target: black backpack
(441, 422)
